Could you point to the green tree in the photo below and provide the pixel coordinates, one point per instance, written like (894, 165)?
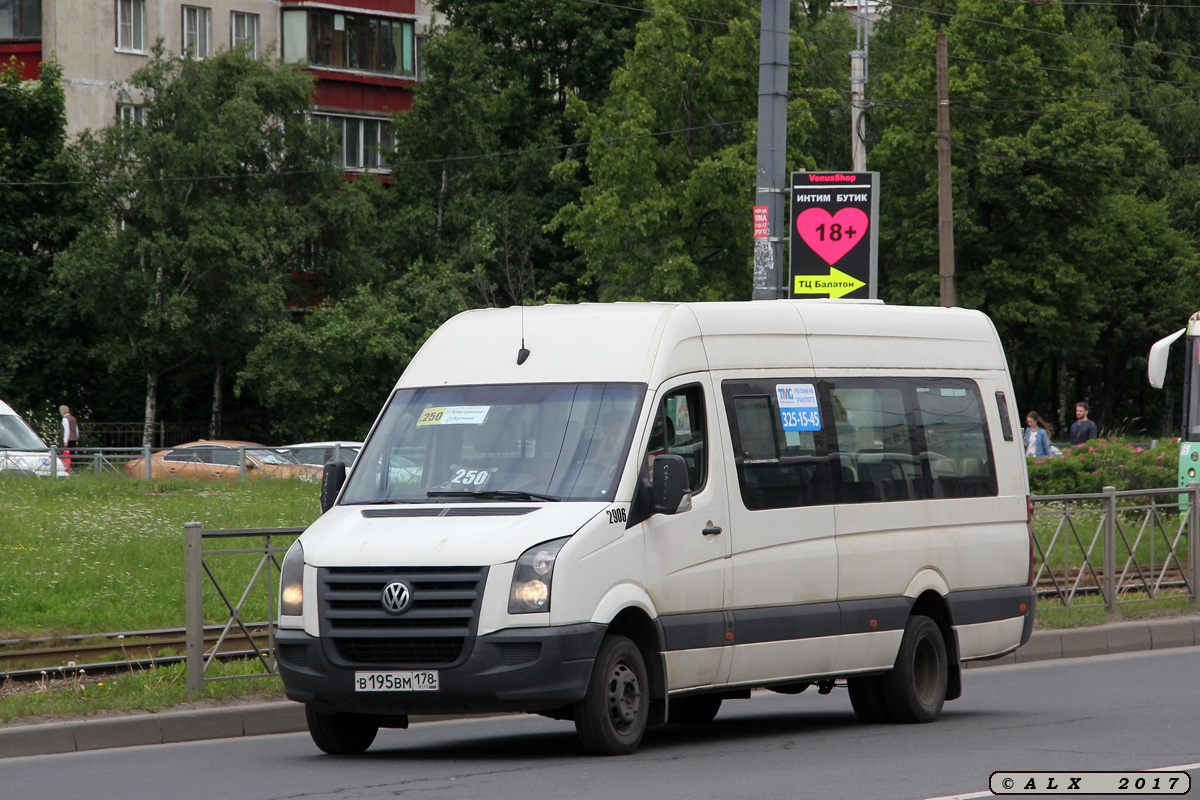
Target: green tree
(328, 375)
(42, 358)
(471, 186)
(208, 210)
(671, 160)
(1049, 169)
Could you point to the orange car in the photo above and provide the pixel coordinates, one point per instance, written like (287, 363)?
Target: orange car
(221, 458)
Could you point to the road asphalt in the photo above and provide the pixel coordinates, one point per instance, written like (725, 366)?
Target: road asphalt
(256, 719)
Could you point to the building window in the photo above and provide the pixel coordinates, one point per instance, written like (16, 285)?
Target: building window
(350, 41)
(244, 29)
(130, 114)
(131, 25)
(20, 19)
(197, 22)
(364, 141)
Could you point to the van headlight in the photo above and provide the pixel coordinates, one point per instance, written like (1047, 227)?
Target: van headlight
(530, 593)
(291, 582)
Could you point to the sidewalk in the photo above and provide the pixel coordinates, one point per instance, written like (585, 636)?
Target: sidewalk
(288, 717)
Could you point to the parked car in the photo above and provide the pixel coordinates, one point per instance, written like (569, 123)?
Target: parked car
(22, 452)
(212, 458)
(318, 454)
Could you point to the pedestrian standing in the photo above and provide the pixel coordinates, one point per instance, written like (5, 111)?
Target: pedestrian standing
(1083, 429)
(1037, 435)
(70, 434)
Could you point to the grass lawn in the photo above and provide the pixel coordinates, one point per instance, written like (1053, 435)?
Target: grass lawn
(105, 554)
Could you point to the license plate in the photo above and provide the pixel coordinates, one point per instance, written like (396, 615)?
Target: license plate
(423, 680)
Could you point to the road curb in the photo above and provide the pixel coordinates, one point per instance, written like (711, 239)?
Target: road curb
(287, 717)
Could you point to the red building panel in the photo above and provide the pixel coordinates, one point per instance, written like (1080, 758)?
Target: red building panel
(338, 91)
(29, 58)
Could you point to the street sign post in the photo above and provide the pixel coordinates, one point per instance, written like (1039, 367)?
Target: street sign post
(834, 236)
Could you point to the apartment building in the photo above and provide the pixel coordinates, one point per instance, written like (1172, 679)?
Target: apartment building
(365, 54)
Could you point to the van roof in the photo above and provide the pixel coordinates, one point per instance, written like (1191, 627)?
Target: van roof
(6, 410)
(650, 342)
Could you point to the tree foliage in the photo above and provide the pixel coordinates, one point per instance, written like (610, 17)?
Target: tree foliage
(41, 341)
(472, 186)
(207, 209)
(565, 151)
(1058, 233)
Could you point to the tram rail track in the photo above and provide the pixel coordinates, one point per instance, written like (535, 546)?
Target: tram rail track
(31, 658)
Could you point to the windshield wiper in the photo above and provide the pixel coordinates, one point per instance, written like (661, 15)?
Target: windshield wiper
(496, 494)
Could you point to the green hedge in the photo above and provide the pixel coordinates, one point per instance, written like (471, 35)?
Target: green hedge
(1091, 466)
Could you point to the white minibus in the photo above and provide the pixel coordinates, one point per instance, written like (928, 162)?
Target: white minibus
(625, 514)
(22, 452)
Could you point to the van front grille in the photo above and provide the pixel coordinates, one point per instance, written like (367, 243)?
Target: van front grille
(431, 631)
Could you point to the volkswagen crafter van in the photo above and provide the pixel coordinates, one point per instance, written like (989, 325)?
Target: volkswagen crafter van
(623, 515)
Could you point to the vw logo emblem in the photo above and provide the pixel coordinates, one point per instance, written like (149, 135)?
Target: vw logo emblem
(396, 598)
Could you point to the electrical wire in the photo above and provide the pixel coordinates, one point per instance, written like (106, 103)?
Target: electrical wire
(420, 162)
(1035, 30)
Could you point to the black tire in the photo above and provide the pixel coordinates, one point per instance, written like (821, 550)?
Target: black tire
(612, 716)
(916, 687)
(696, 710)
(867, 698)
(341, 734)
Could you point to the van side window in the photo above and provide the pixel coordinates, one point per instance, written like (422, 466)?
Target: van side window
(805, 441)
(956, 449)
(777, 468)
(1006, 427)
(680, 429)
(875, 437)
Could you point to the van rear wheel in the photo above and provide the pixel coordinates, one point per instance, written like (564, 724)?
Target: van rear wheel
(611, 718)
(916, 687)
(867, 698)
(341, 734)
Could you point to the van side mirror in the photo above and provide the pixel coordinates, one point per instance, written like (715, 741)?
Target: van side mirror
(332, 478)
(671, 491)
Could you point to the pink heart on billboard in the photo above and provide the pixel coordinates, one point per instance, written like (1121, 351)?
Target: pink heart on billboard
(831, 236)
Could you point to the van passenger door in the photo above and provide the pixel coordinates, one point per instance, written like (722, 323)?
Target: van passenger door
(687, 553)
(784, 554)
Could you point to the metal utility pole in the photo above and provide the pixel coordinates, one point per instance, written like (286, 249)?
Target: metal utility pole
(946, 284)
(858, 85)
(770, 272)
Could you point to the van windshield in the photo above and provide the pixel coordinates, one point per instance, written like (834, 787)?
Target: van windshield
(499, 442)
(16, 435)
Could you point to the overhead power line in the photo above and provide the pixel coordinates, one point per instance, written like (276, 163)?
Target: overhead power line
(1035, 30)
(422, 162)
(960, 107)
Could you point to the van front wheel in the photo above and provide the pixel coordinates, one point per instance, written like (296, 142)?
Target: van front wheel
(341, 734)
(916, 687)
(612, 716)
(697, 710)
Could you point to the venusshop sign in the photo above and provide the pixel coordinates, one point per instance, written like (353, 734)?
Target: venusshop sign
(834, 236)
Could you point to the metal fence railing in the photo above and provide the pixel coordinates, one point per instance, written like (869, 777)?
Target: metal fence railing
(1098, 549)
(1117, 547)
(258, 595)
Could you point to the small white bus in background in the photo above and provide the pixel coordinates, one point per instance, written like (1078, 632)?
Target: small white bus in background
(623, 515)
(22, 452)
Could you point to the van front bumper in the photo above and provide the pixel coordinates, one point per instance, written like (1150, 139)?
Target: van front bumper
(518, 669)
